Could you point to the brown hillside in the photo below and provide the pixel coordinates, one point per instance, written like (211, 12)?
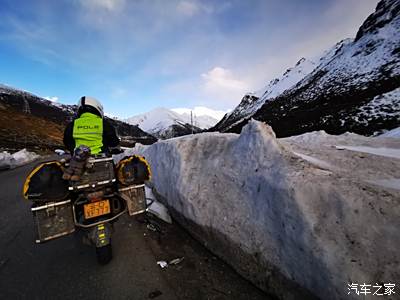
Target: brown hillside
(19, 130)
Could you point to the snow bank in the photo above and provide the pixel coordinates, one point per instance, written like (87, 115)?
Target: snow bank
(22, 157)
(292, 228)
(155, 207)
(394, 133)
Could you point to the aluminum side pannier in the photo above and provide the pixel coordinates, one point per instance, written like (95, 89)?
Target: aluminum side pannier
(132, 172)
(52, 220)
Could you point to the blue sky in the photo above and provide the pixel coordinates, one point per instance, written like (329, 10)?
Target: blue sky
(135, 55)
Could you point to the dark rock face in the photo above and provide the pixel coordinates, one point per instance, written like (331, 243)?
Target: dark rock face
(385, 12)
(247, 102)
(60, 114)
(357, 89)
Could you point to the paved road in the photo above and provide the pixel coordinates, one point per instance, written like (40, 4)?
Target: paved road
(67, 269)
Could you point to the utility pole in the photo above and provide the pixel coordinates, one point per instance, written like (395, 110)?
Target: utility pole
(26, 109)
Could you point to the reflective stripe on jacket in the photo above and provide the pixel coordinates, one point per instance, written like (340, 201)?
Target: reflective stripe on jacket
(88, 131)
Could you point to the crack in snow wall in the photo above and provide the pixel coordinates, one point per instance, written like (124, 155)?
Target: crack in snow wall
(289, 227)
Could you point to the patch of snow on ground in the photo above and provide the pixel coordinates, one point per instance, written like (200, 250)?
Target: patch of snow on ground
(388, 152)
(155, 207)
(22, 157)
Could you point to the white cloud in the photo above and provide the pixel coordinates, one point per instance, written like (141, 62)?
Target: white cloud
(110, 5)
(222, 85)
(218, 89)
(222, 78)
(52, 99)
(188, 8)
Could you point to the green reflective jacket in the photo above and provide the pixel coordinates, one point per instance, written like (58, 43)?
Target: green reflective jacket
(88, 131)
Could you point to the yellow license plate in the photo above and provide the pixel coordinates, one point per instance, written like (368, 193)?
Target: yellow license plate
(96, 209)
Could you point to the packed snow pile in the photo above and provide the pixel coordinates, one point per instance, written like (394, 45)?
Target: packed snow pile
(22, 157)
(300, 216)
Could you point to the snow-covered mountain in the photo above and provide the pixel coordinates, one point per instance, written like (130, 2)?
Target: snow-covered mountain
(203, 117)
(251, 102)
(352, 87)
(166, 123)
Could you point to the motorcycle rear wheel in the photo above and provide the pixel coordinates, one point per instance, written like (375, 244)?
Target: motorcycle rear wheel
(104, 254)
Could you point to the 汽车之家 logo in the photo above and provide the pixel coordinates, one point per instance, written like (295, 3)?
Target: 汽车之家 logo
(385, 289)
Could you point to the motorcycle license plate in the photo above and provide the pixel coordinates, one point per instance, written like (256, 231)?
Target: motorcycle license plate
(96, 209)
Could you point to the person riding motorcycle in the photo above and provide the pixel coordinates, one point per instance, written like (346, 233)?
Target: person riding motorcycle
(94, 191)
(88, 134)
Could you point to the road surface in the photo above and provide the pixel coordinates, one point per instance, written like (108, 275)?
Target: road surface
(67, 269)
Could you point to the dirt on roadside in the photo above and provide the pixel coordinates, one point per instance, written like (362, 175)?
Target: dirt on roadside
(200, 275)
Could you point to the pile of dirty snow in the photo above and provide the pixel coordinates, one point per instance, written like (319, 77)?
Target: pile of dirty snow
(300, 216)
(22, 157)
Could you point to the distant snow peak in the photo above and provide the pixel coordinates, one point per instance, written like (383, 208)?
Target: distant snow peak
(201, 111)
(162, 121)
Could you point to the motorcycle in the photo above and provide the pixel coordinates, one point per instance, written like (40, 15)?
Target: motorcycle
(104, 193)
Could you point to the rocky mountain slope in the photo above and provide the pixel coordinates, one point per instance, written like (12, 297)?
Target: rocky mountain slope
(355, 87)
(28, 121)
(252, 102)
